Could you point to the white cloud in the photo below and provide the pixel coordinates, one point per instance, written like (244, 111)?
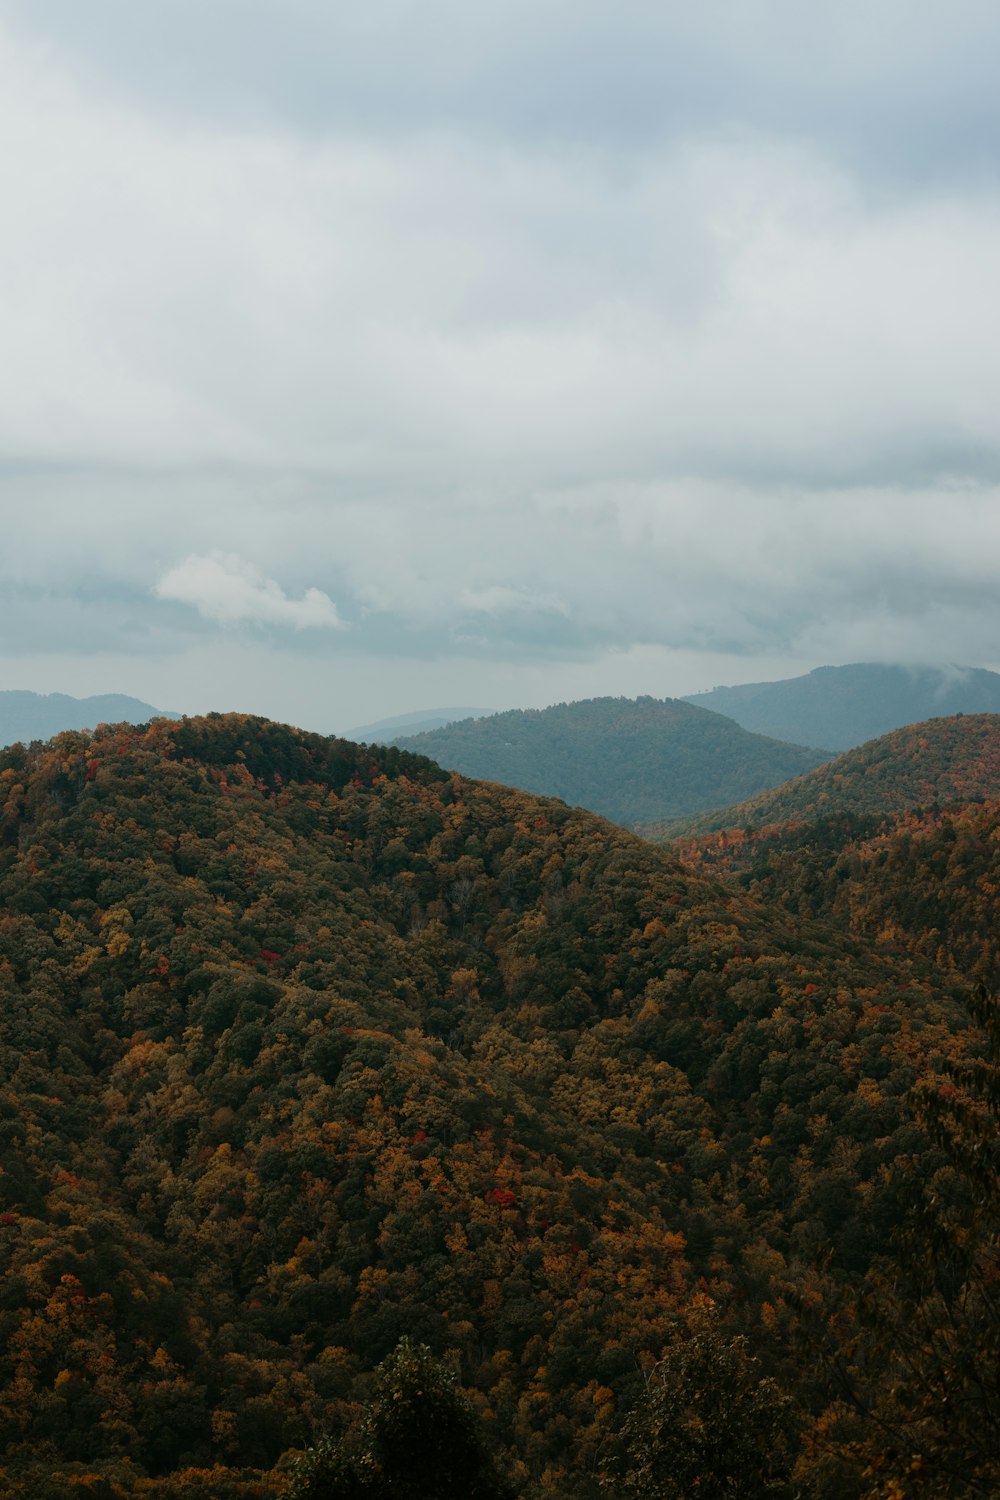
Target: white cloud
(224, 587)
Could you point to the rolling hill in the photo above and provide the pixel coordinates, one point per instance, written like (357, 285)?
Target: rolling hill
(305, 1046)
(38, 716)
(941, 761)
(840, 707)
(632, 760)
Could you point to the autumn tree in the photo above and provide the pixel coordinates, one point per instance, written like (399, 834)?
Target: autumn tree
(709, 1425)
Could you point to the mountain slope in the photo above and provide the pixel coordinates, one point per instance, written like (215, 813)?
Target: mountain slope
(384, 731)
(304, 1046)
(633, 760)
(38, 716)
(840, 707)
(941, 761)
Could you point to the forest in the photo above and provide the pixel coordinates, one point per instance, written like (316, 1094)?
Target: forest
(335, 1086)
(635, 760)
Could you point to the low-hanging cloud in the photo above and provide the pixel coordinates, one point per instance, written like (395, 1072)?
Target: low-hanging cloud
(224, 587)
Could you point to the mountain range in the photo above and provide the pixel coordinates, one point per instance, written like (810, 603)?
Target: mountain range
(38, 716)
(840, 707)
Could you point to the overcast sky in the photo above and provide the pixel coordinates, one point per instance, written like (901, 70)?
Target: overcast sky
(357, 359)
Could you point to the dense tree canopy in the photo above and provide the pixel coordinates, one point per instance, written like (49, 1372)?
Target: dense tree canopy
(636, 760)
(306, 1048)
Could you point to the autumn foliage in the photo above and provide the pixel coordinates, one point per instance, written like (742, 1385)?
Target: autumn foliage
(306, 1049)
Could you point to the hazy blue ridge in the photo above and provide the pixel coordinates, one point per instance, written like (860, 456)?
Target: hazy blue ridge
(38, 716)
(384, 731)
(633, 760)
(841, 707)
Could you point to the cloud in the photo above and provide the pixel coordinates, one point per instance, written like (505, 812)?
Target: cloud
(513, 372)
(500, 599)
(895, 88)
(224, 587)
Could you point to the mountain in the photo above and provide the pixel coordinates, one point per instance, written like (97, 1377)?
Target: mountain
(840, 707)
(384, 731)
(306, 1046)
(632, 760)
(941, 761)
(38, 716)
(920, 882)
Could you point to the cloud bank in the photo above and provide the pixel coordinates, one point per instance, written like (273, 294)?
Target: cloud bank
(226, 588)
(573, 334)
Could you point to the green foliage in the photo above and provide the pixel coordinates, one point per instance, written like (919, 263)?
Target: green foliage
(711, 1423)
(633, 760)
(418, 1439)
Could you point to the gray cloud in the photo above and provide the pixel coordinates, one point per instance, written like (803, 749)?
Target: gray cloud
(583, 339)
(898, 88)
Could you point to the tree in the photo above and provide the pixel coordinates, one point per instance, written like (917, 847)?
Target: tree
(710, 1425)
(418, 1439)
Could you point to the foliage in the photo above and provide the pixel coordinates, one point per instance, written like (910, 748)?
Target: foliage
(305, 1047)
(418, 1439)
(710, 1422)
(924, 1365)
(937, 763)
(634, 760)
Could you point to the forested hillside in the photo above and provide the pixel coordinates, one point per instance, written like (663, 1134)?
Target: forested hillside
(840, 707)
(940, 762)
(635, 760)
(306, 1048)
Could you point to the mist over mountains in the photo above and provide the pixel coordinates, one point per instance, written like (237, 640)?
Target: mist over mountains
(839, 707)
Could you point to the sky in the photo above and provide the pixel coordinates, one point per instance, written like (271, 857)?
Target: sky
(360, 359)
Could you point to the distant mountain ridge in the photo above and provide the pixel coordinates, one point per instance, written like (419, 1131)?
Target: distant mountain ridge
(632, 760)
(840, 707)
(384, 731)
(38, 716)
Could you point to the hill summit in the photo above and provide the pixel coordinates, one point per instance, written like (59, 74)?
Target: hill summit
(942, 761)
(634, 760)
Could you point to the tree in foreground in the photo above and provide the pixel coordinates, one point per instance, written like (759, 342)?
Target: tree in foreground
(418, 1439)
(710, 1425)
